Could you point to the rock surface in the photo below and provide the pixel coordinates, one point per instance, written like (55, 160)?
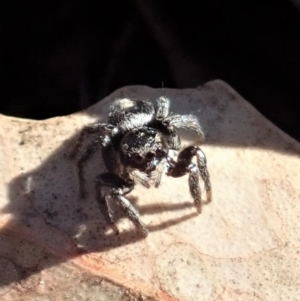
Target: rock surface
(244, 246)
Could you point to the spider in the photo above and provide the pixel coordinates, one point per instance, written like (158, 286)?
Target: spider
(136, 143)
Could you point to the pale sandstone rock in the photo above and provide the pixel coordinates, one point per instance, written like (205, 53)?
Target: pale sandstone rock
(244, 246)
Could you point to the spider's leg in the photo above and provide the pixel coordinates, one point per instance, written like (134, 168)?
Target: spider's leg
(189, 122)
(172, 137)
(188, 153)
(163, 106)
(201, 162)
(119, 188)
(170, 134)
(130, 211)
(105, 132)
(185, 165)
(100, 128)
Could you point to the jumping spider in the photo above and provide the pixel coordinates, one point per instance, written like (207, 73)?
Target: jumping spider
(136, 144)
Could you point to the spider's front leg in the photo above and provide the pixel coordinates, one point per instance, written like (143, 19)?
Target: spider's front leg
(104, 131)
(185, 165)
(100, 128)
(119, 187)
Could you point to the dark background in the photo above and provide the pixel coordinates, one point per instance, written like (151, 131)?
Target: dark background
(60, 57)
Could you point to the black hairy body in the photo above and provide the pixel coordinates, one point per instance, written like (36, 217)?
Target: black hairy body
(136, 143)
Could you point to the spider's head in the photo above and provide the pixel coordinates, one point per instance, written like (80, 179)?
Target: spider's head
(143, 148)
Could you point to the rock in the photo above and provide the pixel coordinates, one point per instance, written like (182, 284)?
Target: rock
(244, 245)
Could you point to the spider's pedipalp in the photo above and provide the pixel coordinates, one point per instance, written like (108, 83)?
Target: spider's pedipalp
(158, 172)
(141, 177)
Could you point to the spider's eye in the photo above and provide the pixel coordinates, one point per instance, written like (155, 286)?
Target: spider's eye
(138, 157)
(160, 152)
(149, 155)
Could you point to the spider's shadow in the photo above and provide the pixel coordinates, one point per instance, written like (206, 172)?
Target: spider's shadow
(49, 194)
(46, 208)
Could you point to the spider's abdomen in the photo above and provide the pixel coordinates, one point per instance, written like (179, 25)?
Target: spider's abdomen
(129, 114)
